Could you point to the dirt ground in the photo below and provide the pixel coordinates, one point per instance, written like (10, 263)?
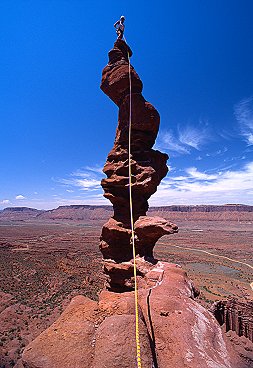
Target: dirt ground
(216, 277)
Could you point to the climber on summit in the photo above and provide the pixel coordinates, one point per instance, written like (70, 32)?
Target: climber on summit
(120, 27)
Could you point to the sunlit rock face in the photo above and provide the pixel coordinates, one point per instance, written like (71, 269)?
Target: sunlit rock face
(148, 167)
(174, 329)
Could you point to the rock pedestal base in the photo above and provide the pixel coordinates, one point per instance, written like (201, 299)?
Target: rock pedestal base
(175, 331)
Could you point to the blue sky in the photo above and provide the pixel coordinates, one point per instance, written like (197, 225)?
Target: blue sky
(195, 59)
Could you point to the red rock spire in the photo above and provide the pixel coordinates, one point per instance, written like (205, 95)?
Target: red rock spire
(148, 166)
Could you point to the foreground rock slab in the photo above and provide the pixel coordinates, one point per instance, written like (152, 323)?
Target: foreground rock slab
(174, 329)
(68, 342)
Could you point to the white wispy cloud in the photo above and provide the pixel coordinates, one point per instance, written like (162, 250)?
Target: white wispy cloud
(192, 186)
(195, 174)
(96, 169)
(81, 183)
(199, 158)
(219, 152)
(179, 178)
(5, 201)
(87, 179)
(194, 137)
(89, 171)
(187, 138)
(20, 197)
(167, 141)
(244, 115)
(91, 199)
(234, 158)
(231, 186)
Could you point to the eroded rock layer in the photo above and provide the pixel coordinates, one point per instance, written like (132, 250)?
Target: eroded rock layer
(235, 315)
(148, 166)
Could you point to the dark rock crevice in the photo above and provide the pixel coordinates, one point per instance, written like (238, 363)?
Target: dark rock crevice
(152, 333)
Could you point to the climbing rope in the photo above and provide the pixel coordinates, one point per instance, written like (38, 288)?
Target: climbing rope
(137, 335)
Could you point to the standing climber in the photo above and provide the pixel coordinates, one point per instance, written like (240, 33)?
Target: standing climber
(120, 27)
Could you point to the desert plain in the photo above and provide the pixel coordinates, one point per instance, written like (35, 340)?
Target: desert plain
(48, 258)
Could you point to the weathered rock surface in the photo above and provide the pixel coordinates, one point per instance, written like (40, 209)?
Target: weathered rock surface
(68, 341)
(116, 236)
(148, 166)
(236, 316)
(242, 349)
(174, 329)
(148, 230)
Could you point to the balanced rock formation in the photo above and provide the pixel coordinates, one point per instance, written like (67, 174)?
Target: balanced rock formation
(175, 331)
(148, 169)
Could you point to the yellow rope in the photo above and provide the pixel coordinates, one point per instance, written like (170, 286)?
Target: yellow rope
(137, 336)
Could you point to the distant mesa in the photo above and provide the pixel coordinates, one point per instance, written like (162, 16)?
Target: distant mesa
(207, 208)
(76, 213)
(20, 209)
(19, 213)
(228, 212)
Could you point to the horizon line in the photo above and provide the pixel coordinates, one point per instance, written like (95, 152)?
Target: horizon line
(105, 205)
